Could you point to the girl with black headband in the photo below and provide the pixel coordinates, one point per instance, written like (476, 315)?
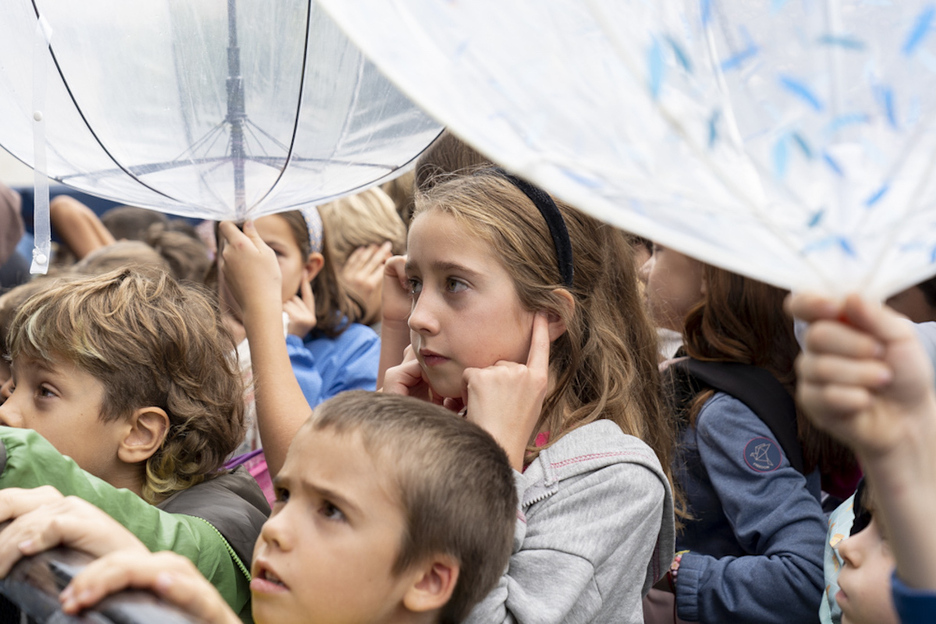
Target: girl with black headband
(526, 319)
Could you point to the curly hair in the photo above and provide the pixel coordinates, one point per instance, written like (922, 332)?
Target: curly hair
(150, 341)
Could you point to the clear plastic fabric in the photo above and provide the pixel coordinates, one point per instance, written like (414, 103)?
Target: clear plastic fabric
(793, 141)
(215, 108)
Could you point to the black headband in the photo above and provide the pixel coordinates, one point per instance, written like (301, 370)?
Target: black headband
(557, 227)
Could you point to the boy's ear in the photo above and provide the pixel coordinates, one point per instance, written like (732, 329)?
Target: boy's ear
(433, 585)
(147, 428)
(557, 326)
(313, 265)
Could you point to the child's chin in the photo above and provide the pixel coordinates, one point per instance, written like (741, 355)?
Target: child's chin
(441, 389)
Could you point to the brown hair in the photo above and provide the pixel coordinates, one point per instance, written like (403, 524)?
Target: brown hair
(130, 222)
(186, 255)
(455, 484)
(742, 320)
(606, 361)
(402, 192)
(151, 342)
(446, 157)
(133, 254)
(334, 309)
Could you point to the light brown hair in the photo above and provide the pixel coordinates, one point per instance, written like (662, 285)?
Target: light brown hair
(367, 218)
(455, 484)
(151, 342)
(606, 362)
(742, 320)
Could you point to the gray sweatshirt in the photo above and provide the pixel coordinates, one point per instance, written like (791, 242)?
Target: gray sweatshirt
(594, 531)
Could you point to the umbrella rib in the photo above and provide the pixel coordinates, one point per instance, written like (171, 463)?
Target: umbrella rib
(295, 131)
(74, 100)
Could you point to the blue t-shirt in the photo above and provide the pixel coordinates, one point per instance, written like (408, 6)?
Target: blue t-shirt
(326, 366)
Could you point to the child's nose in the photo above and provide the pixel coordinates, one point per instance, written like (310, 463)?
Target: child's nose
(850, 550)
(275, 531)
(423, 318)
(9, 417)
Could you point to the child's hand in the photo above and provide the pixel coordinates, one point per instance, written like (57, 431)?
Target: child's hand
(863, 376)
(301, 311)
(507, 399)
(249, 269)
(397, 299)
(173, 577)
(407, 379)
(44, 519)
(363, 274)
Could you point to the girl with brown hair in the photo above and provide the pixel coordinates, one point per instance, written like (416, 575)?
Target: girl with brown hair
(523, 315)
(751, 550)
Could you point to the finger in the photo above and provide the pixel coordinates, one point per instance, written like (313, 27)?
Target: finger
(171, 576)
(231, 233)
(308, 298)
(356, 259)
(395, 267)
(828, 405)
(811, 307)
(836, 338)
(378, 256)
(15, 502)
(409, 354)
(877, 320)
(834, 370)
(538, 358)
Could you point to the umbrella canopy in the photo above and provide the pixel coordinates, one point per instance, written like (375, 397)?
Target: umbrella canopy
(216, 109)
(790, 141)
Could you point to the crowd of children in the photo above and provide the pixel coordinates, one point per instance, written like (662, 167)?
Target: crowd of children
(557, 422)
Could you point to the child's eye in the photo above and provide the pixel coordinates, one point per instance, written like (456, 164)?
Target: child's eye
(415, 286)
(45, 392)
(453, 285)
(282, 495)
(331, 512)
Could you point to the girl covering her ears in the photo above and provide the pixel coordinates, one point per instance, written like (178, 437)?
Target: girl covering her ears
(329, 351)
(524, 315)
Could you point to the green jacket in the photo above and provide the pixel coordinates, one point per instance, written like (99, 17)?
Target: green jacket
(27, 460)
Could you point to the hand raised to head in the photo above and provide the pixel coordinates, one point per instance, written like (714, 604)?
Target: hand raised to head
(506, 399)
(250, 269)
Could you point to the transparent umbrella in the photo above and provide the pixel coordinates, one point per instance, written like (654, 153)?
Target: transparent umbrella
(215, 109)
(791, 141)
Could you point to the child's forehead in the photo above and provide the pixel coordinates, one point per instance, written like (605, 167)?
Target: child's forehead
(341, 463)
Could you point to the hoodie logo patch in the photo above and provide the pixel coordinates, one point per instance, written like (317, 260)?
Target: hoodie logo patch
(762, 455)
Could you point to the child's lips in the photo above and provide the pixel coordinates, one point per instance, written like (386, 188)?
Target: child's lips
(266, 581)
(430, 358)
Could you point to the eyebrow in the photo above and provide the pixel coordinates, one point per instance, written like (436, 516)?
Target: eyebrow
(447, 267)
(323, 492)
